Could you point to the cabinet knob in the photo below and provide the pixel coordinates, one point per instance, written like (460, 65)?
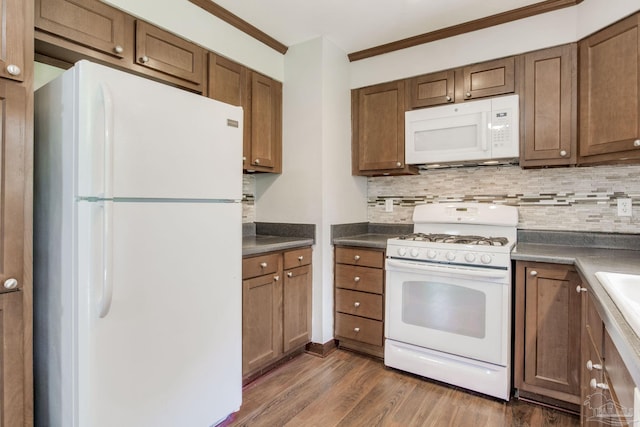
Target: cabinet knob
(356, 258)
(14, 70)
(144, 59)
(398, 164)
(563, 153)
(591, 366)
(448, 98)
(595, 385)
(276, 278)
(533, 273)
(10, 283)
(580, 289)
(300, 258)
(468, 94)
(636, 143)
(356, 330)
(356, 279)
(263, 265)
(118, 49)
(356, 304)
(289, 274)
(256, 161)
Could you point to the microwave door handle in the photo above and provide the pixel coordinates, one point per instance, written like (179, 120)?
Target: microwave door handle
(486, 128)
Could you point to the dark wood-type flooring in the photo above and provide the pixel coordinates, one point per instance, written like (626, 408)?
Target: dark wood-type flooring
(348, 389)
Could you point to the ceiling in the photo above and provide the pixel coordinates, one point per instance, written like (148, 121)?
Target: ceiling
(355, 25)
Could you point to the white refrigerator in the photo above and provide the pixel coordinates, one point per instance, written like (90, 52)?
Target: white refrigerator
(137, 258)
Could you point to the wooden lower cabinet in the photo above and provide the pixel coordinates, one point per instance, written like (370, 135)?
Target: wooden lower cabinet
(547, 333)
(359, 299)
(276, 308)
(12, 410)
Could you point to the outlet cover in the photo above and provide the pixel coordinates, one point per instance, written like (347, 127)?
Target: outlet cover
(388, 205)
(624, 207)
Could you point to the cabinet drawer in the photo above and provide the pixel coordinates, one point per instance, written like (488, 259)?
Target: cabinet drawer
(359, 278)
(359, 303)
(297, 258)
(358, 256)
(257, 266)
(359, 329)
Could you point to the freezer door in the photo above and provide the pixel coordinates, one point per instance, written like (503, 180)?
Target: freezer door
(167, 349)
(137, 138)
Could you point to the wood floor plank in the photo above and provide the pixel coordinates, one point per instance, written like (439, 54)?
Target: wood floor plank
(348, 389)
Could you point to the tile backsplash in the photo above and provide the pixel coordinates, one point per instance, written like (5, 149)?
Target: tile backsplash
(248, 198)
(580, 198)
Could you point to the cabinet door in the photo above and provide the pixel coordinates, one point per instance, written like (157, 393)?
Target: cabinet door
(379, 128)
(489, 78)
(264, 147)
(12, 133)
(12, 36)
(550, 105)
(548, 322)
(610, 93)
(167, 53)
(261, 321)
(431, 89)
(11, 360)
(297, 307)
(90, 23)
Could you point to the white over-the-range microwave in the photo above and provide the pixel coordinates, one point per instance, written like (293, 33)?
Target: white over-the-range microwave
(477, 132)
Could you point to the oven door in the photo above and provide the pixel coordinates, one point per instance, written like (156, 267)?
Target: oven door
(457, 310)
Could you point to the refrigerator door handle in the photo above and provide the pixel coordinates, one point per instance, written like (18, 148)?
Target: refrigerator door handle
(104, 304)
(108, 141)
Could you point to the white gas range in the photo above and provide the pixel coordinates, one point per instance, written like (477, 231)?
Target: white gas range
(448, 296)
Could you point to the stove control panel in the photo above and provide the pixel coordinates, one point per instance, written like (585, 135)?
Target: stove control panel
(461, 254)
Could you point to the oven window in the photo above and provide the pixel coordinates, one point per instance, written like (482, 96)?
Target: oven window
(444, 307)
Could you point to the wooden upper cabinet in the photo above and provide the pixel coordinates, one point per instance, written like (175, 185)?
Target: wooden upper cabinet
(610, 94)
(550, 107)
(378, 129)
(13, 110)
(89, 23)
(431, 89)
(488, 78)
(12, 38)
(167, 53)
(12, 387)
(227, 80)
(263, 151)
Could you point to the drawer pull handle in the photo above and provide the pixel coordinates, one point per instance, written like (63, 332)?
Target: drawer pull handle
(591, 366)
(289, 274)
(356, 279)
(580, 289)
(356, 304)
(300, 258)
(276, 278)
(356, 330)
(356, 258)
(595, 385)
(263, 265)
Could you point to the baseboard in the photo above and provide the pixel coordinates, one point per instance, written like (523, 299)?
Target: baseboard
(321, 350)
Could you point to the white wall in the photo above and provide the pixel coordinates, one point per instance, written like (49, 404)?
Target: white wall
(316, 185)
(193, 23)
(537, 32)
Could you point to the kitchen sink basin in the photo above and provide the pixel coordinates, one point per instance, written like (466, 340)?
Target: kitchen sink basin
(624, 290)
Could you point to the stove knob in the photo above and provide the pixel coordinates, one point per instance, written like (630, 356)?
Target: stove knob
(415, 253)
(402, 251)
(485, 259)
(450, 256)
(431, 254)
(470, 257)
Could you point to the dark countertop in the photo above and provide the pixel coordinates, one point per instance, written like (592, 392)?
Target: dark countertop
(588, 261)
(254, 245)
(369, 240)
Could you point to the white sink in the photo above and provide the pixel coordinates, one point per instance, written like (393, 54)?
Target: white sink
(624, 290)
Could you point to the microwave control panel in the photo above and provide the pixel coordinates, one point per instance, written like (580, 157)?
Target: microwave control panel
(505, 140)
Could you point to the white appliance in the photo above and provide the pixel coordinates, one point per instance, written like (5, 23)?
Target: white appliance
(448, 296)
(484, 132)
(137, 287)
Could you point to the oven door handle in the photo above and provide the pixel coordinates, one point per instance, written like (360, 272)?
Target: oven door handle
(449, 271)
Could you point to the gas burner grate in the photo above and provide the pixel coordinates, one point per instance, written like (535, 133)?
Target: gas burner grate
(459, 239)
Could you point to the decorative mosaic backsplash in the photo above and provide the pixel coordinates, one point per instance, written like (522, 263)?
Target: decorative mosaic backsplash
(581, 198)
(248, 198)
